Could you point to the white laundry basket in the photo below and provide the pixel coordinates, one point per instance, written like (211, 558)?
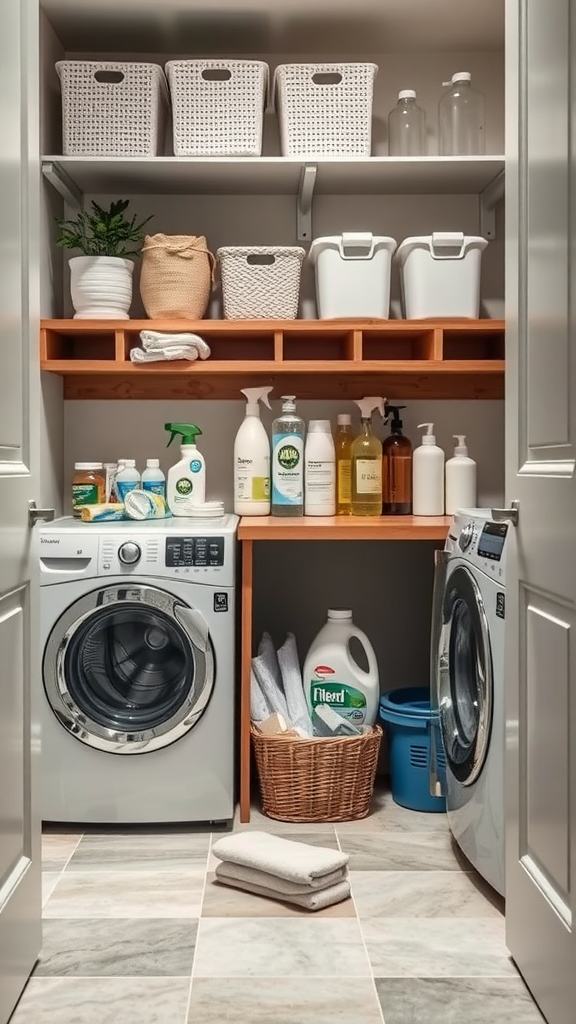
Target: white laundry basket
(260, 282)
(353, 275)
(325, 109)
(440, 275)
(218, 106)
(112, 108)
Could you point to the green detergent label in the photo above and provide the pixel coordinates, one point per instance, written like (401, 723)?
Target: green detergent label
(346, 700)
(84, 494)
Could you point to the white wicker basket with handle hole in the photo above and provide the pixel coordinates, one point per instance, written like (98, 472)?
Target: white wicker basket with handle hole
(112, 108)
(218, 106)
(260, 282)
(325, 109)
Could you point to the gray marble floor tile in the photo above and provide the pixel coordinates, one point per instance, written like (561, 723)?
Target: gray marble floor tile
(258, 820)
(225, 901)
(103, 1001)
(423, 894)
(309, 1001)
(112, 948)
(50, 880)
(402, 851)
(437, 947)
(136, 852)
(273, 947)
(57, 849)
(127, 894)
(385, 815)
(455, 1000)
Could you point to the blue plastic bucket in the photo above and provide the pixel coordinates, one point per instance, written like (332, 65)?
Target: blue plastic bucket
(408, 717)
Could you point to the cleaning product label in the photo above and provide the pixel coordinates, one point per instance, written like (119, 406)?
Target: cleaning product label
(84, 494)
(123, 487)
(369, 476)
(345, 480)
(320, 477)
(346, 700)
(288, 464)
(253, 479)
(155, 487)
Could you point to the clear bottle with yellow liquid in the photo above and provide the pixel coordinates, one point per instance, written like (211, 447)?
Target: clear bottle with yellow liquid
(343, 440)
(367, 463)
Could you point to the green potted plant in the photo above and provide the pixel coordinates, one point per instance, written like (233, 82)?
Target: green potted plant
(101, 279)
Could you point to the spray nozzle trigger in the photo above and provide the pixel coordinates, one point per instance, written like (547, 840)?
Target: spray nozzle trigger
(394, 410)
(187, 431)
(366, 405)
(255, 395)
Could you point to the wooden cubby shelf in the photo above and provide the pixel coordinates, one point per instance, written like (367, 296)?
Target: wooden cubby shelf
(313, 358)
(262, 528)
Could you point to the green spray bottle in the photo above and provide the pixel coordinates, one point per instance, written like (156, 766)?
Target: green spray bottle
(186, 484)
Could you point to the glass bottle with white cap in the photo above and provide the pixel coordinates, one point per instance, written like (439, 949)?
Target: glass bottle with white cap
(461, 118)
(407, 126)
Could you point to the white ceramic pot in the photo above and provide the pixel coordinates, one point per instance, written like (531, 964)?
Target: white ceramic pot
(101, 287)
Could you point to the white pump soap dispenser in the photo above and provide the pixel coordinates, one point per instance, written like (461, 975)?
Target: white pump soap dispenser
(460, 479)
(428, 476)
(252, 458)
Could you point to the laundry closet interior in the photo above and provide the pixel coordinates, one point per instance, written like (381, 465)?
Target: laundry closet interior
(98, 406)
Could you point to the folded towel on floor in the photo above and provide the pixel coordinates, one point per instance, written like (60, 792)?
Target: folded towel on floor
(297, 862)
(157, 341)
(313, 901)
(140, 355)
(226, 871)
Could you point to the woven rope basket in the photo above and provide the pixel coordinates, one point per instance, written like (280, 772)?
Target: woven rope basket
(318, 779)
(112, 108)
(176, 278)
(323, 117)
(218, 106)
(261, 281)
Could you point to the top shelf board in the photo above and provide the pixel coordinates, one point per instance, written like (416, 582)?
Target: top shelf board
(276, 175)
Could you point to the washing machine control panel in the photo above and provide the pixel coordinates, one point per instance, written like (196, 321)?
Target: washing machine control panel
(194, 552)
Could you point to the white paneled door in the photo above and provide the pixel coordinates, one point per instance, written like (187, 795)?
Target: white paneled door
(541, 458)
(20, 900)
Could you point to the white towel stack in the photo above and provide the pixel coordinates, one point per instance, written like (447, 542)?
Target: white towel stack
(312, 877)
(157, 346)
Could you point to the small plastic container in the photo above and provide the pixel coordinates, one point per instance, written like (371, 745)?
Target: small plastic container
(353, 275)
(440, 275)
(408, 719)
(88, 486)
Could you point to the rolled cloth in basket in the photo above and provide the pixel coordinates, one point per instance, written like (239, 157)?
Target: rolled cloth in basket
(237, 873)
(298, 714)
(315, 900)
(267, 671)
(297, 862)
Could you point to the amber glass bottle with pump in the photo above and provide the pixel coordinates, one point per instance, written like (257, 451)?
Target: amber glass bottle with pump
(396, 468)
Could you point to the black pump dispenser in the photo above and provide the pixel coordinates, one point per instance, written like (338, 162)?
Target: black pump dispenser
(396, 424)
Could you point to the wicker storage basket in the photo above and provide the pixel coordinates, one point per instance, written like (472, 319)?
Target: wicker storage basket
(218, 106)
(325, 109)
(260, 282)
(112, 108)
(176, 278)
(319, 779)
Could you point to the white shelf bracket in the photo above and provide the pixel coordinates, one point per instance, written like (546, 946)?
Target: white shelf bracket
(304, 202)
(489, 197)
(63, 183)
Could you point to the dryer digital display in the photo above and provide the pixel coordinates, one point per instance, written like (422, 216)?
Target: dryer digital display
(194, 552)
(491, 543)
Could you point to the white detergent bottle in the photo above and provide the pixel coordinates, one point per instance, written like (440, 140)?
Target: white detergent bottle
(460, 478)
(332, 678)
(428, 476)
(252, 458)
(319, 470)
(187, 479)
(127, 479)
(153, 478)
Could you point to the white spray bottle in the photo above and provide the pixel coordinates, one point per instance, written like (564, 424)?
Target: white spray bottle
(252, 458)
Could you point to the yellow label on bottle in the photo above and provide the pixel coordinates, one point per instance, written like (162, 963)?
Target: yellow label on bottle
(369, 476)
(345, 480)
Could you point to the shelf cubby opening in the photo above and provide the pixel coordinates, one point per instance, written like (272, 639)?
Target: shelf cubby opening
(473, 344)
(86, 345)
(386, 345)
(329, 346)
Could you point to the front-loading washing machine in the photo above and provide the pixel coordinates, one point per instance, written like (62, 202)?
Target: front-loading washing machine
(139, 670)
(468, 684)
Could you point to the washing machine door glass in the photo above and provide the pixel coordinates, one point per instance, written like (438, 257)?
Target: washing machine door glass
(129, 669)
(465, 684)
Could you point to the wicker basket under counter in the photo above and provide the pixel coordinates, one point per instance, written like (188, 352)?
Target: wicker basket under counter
(316, 779)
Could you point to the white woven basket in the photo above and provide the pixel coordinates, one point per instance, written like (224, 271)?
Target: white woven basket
(325, 109)
(218, 106)
(112, 108)
(260, 282)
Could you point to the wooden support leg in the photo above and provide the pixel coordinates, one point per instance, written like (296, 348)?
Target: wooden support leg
(246, 658)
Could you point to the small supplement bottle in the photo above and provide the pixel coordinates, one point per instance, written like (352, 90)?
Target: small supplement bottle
(88, 486)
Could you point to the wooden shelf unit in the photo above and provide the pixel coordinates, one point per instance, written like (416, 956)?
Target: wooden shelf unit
(337, 359)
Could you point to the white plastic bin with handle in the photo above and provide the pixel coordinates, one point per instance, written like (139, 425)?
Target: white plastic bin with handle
(353, 275)
(440, 275)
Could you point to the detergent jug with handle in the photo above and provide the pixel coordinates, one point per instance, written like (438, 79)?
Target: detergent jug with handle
(332, 677)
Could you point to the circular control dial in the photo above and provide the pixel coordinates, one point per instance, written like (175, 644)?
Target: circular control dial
(129, 553)
(465, 538)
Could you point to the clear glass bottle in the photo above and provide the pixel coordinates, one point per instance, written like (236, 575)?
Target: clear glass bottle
(367, 463)
(288, 432)
(407, 126)
(461, 118)
(343, 444)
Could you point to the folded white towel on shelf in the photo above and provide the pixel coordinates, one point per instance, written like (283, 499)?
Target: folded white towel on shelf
(297, 862)
(316, 900)
(141, 355)
(236, 872)
(158, 341)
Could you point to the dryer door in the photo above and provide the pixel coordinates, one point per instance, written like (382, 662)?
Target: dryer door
(465, 681)
(129, 669)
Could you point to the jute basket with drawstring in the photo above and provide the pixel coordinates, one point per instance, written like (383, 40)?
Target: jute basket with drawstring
(177, 275)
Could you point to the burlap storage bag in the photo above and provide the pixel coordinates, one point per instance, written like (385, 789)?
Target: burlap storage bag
(176, 278)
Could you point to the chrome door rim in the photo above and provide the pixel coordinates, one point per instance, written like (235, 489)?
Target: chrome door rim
(77, 722)
(467, 772)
